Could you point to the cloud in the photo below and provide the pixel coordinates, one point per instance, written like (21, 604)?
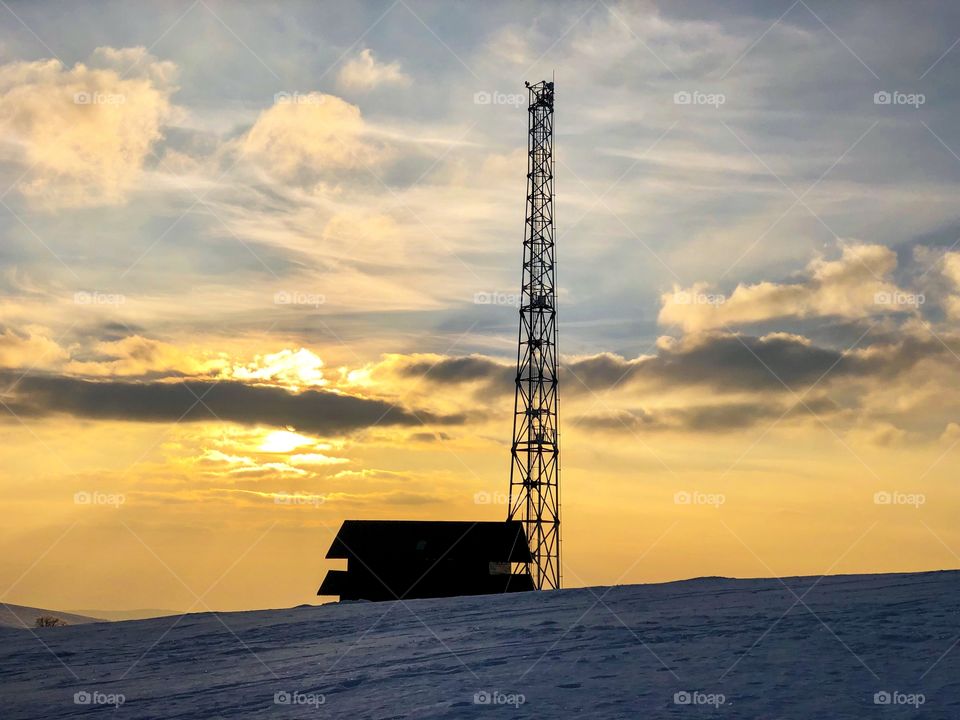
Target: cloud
(716, 418)
(228, 401)
(473, 380)
(84, 132)
(724, 362)
(29, 350)
(880, 434)
(302, 138)
(950, 269)
(428, 437)
(854, 286)
(316, 459)
(727, 362)
(951, 434)
(471, 368)
(135, 355)
(292, 368)
(749, 379)
(364, 72)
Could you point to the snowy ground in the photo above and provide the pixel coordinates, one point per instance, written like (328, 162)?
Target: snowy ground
(734, 648)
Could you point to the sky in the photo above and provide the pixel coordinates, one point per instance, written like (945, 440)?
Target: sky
(259, 268)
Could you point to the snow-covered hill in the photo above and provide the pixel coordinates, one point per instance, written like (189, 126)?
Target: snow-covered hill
(837, 647)
(132, 614)
(22, 616)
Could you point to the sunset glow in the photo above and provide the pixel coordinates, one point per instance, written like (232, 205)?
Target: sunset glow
(259, 275)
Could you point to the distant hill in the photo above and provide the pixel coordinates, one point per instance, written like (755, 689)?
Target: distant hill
(20, 616)
(137, 614)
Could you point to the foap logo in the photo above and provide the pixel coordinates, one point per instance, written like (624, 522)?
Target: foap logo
(883, 97)
(696, 97)
(895, 697)
(899, 299)
(684, 497)
(498, 98)
(285, 697)
(113, 500)
(98, 298)
(98, 98)
(95, 697)
(297, 98)
(488, 498)
(683, 297)
(914, 500)
(296, 297)
(496, 697)
(298, 499)
(496, 298)
(697, 697)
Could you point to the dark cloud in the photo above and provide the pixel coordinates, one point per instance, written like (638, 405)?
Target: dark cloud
(893, 359)
(707, 418)
(429, 437)
(492, 378)
(738, 363)
(114, 330)
(312, 410)
(473, 368)
(720, 361)
(726, 362)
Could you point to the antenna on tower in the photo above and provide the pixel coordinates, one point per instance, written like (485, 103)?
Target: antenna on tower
(535, 466)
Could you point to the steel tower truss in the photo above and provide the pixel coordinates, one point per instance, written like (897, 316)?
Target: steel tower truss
(535, 468)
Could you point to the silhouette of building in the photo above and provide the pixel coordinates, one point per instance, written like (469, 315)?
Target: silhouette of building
(405, 559)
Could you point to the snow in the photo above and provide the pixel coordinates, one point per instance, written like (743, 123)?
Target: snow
(797, 648)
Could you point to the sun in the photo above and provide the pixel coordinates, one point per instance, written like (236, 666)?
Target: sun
(284, 441)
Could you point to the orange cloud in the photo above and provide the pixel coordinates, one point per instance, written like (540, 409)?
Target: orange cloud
(137, 355)
(84, 132)
(29, 350)
(303, 136)
(853, 286)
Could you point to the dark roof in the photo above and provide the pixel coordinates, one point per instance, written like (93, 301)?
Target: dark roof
(493, 541)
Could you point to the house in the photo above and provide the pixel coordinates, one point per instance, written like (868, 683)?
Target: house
(405, 559)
